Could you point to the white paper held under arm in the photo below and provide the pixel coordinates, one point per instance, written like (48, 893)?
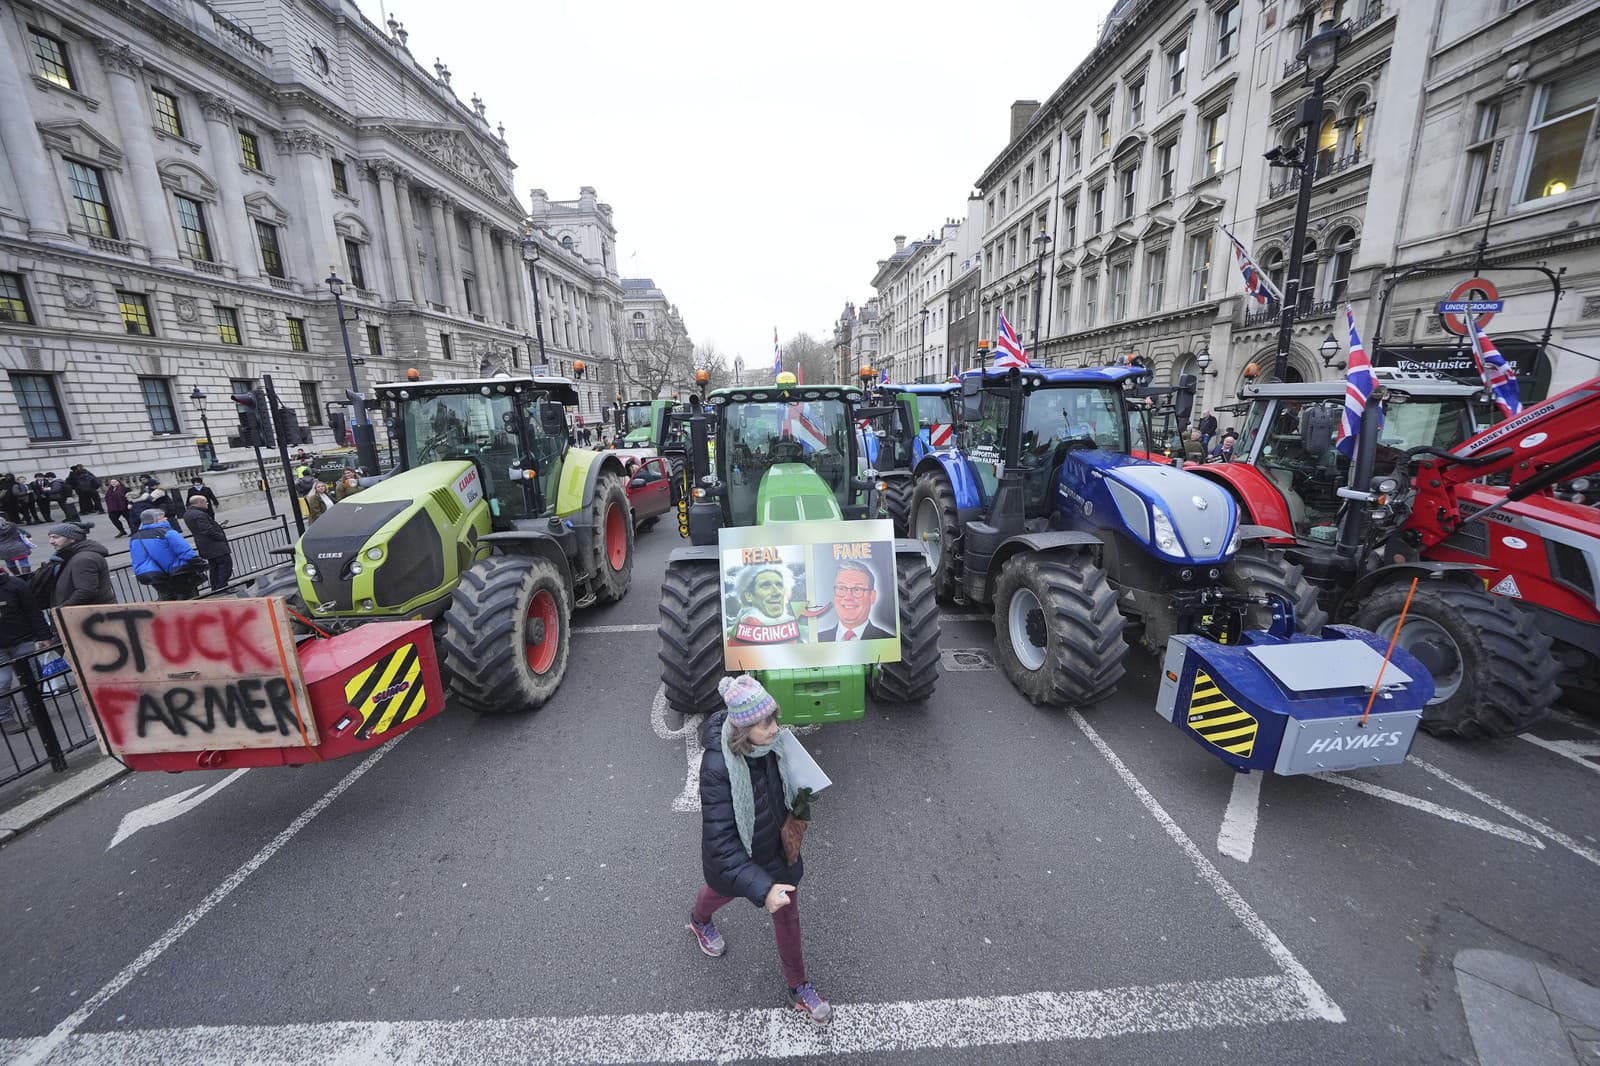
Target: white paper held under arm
(798, 765)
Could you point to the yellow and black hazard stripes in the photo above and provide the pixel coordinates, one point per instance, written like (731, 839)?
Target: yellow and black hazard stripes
(1218, 719)
(388, 693)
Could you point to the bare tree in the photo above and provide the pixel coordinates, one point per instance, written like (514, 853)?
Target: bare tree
(661, 361)
(715, 364)
(814, 357)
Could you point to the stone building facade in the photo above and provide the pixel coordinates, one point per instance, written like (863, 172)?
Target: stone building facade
(178, 182)
(657, 354)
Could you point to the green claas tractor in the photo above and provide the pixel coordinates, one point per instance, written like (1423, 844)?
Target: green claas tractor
(783, 454)
(490, 525)
(642, 423)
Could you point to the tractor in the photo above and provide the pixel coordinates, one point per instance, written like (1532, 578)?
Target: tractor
(1044, 515)
(768, 471)
(1505, 611)
(647, 429)
(490, 525)
(921, 421)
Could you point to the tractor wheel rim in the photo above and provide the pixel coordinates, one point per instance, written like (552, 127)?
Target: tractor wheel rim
(542, 654)
(616, 537)
(928, 531)
(1431, 643)
(1024, 617)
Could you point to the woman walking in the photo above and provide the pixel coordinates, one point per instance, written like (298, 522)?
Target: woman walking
(744, 799)
(117, 505)
(15, 547)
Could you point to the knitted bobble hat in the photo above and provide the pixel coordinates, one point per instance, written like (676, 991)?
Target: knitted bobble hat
(748, 702)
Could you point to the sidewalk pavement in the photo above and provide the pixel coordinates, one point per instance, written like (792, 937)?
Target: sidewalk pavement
(1521, 1013)
(34, 797)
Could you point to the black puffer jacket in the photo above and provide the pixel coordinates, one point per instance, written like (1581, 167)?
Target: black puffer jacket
(84, 576)
(728, 869)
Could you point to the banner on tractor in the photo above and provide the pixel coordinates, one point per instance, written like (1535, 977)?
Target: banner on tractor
(798, 594)
(189, 675)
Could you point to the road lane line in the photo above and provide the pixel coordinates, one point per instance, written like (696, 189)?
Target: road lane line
(1568, 718)
(722, 1035)
(1237, 837)
(1510, 812)
(1449, 814)
(689, 799)
(1579, 751)
(45, 1045)
(1317, 1001)
(638, 628)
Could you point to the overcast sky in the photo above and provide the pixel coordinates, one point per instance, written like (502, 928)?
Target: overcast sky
(759, 158)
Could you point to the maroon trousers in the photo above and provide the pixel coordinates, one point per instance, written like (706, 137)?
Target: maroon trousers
(785, 924)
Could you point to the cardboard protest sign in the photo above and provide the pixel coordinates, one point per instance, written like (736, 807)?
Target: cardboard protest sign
(808, 594)
(205, 675)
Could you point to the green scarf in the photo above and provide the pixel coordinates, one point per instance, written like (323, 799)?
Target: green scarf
(744, 800)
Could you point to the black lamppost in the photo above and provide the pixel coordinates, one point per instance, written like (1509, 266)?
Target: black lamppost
(360, 424)
(1042, 243)
(1320, 55)
(530, 255)
(198, 398)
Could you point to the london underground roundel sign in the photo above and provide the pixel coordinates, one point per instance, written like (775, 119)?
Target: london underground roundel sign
(1475, 296)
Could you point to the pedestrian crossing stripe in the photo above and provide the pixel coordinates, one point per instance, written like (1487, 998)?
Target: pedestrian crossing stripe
(388, 693)
(1218, 720)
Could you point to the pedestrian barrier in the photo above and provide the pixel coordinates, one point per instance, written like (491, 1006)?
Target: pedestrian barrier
(251, 543)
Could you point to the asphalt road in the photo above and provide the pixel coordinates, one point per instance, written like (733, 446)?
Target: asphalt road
(986, 882)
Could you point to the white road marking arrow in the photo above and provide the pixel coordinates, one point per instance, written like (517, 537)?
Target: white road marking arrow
(165, 810)
(689, 799)
(1237, 837)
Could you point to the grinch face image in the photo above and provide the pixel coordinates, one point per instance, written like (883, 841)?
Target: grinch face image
(768, 594)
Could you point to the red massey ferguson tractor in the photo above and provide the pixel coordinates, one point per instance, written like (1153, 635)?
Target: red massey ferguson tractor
(1506, 608)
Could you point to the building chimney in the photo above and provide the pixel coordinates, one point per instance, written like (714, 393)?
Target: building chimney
(1022, 112)
(900, 243)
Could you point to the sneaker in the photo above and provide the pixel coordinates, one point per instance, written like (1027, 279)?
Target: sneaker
(813, 1006)
(710, 940)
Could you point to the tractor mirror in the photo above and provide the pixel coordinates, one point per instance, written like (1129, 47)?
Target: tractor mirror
(552, 420)
(972, 397)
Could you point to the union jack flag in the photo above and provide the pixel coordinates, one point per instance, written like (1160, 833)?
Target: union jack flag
(1498, 376)
(1358, 383)
(1257, 284)
(777, 360)
(1008, 351)
(798, 426)
(883, 379)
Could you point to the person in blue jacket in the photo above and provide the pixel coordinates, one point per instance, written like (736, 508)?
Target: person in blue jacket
(163, 559)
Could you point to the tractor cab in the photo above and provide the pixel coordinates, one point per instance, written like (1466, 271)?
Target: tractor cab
(645, 424)
(786, 453)
(512, 429)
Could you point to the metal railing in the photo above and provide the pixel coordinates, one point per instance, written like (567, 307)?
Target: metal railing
(1307, 308)
(251, 543)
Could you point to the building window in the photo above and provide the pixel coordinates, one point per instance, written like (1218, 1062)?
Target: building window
(249, 150)
(36, 398)
(1102, 125)
(1016, 190)
(1558, 128)
(311, 402)
(444, 345)
(1344, 253)
(1200, 267)
(165, 106)
(1002, 203)
(1307, 293)
(1044, 165)
(1480, 159)
(1177, 69)
(271, 253)
(135, 308)
(1216, 132)
(1226, 22)
(1136, 103)
(158, 404)
(1011, 252)
(341, 179)
(1155, 280)
(1167, 170)
(374, 341)
(470, 287)
(352, 258)
(1327, 143)
(1273, 264)
(228, 326)
(1097, 210)
(1091, 294)
(297, 334)
(1027, 180)
(1064, 303)
(1069, 226)
(989, 213)
(1119, 292)
(89, 194)
(50, 61)
(192, 224)
(14, 300)
(1130, 180)
(1075, 151)
(241, 385)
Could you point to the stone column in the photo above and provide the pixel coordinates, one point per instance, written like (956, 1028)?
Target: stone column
(224, 145)
(480, 261)
(393, 242)
(153, 215)
(457, 282)
(515, 280)
(24, 151)
(443, 255)
(408, 240)
(315, 248)
(497, 277)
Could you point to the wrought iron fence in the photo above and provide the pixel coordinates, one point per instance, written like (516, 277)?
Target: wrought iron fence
(251, 543)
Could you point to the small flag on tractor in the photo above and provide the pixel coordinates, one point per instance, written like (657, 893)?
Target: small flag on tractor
(1499, 377)
(1008, 351)
(1358, 383)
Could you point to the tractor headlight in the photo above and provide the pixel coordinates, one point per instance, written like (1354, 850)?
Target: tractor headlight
(374, 554)
(1166, 536)
(356, 569)
(311, 571)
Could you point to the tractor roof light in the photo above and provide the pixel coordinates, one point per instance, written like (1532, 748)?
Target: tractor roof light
(412, 374)
(484, 390)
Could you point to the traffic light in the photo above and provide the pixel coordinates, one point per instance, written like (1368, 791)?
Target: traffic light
(255, 423)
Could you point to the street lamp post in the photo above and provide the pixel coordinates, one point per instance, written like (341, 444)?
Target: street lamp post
(198, 398)
(360, 423)
(530, 255)
(1042, 243)
(1320, 54)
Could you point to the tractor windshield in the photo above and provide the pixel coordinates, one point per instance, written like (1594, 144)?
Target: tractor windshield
(757, 436)
(457, 426)
(933, 410)
(638, 416)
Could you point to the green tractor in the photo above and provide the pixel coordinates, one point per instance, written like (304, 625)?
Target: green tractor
(642, 423)
(490, 525)
(765, 471)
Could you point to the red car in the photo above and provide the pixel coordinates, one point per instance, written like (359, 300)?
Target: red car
(650, 491)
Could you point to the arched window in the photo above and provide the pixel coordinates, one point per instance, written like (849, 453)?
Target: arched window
(1327, 143)
(1355, 127)
(566, 242)
(1343, 254)
(1273, 265)
(638, 325)
(1308, 279)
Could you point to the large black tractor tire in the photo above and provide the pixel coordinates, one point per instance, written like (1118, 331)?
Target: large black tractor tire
(676, 465)
(912, 679)
(690, 630)
(895, 501)
(1258, 569)
(504, 640)
(933, 521)
(1057, 628)
(1494, 673)
(611, 551)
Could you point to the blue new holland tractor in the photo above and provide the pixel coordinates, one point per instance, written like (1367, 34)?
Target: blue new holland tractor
(1044, 515)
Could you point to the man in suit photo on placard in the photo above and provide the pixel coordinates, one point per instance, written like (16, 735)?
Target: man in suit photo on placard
(855, 591)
